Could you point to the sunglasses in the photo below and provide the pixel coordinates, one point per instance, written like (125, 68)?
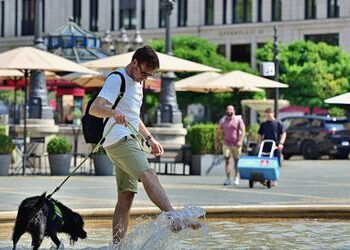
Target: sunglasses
(145, 74)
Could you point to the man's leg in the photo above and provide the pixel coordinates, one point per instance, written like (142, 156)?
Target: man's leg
(228, 167)
(226, 151)
(155, 190)
(121, 215)
(236, 153)
(158, 196)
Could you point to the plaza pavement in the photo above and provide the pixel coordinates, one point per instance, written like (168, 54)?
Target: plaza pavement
(321, 182)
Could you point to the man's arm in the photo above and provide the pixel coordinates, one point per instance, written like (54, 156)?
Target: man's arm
(218, 137)
(242, 133)
(282, 140)
(157, 148)
(102, 108)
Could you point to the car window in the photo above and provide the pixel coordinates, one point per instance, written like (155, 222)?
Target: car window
(299, 123)
(338, 125)
(286, 123)
(315, 123)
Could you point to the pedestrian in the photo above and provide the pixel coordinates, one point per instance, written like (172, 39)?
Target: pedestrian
(232, 129)
(272, 129)
(130, 161)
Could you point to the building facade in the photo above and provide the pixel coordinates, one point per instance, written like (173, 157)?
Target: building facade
(239, 27)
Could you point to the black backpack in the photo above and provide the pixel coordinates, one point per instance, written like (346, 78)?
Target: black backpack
(93, 126)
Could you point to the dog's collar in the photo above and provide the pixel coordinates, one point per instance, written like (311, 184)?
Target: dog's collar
(58, 212)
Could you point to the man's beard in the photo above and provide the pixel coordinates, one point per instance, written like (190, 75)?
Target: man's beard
(229, 114)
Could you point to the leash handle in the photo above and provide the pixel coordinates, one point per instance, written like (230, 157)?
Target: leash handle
(137, 136)
(94, 150)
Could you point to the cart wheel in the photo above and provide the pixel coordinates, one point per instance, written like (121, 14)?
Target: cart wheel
(268, 183)
(251, 184)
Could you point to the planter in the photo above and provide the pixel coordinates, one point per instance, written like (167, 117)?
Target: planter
(5, 163)
(60, 164)
(208, 165)
(103, 165)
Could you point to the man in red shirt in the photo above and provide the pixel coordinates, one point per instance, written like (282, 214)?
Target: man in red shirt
(232, 129)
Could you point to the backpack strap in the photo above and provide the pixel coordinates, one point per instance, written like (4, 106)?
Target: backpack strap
(121, 94)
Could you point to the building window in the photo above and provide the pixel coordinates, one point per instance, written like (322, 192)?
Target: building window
(161, 18)
(16, 18)
(77, 11)
(332, 8)
(127, 14)
(28, 14)
(2, 33)
(143, 14)
(276, 10)
(112, 14)
(43, 16)
(94, 15)
(241, 11)
(310, 9)
(224, 11)
(209, 12)
(241, 53)
(259, 11)
(182, 13)
(331, 38)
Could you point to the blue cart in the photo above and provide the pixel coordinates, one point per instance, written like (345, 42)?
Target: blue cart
(263, 168)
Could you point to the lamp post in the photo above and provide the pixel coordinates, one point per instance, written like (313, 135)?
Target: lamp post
(168, 112)
(276, 62)
(123, 44)
(38, 104)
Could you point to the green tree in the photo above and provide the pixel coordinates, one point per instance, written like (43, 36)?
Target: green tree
(205, 52)
(313, 72)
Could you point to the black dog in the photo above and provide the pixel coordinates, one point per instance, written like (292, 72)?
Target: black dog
(41, 217)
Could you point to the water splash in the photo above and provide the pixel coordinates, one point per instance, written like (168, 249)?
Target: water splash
(158, 233)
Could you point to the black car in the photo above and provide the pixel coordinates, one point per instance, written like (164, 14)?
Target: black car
(313, 136)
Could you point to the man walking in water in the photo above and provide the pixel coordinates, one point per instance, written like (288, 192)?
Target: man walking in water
(232, 129)
(130, 161)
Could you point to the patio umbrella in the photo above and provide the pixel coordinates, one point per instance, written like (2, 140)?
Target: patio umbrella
(202, 83)
(167, 63)
(97, 81)
(10, 74)
(27, 59)
(339, 99)
(240, 79)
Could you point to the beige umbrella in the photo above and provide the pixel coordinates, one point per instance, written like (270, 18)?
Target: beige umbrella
(167, 63)
(30, 58)
(86, 80)
(10, 74)
(240, 79)
(6, 74)
(97, 80)
(202, 83)
(27, 59)
(250, 89)
(339, 99)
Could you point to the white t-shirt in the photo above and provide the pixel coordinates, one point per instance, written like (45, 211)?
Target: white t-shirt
(129, 105)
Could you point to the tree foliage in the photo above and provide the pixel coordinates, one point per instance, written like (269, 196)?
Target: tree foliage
(205, 52)
(314, 72)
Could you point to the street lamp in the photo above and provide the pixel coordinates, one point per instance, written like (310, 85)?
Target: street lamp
(123, 44)
(276, 61)
(168, 112)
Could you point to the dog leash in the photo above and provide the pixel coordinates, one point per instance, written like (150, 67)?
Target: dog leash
(94, 150)
(136, 135)
(140, 139)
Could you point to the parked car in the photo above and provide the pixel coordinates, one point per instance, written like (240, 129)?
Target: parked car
(313, 136)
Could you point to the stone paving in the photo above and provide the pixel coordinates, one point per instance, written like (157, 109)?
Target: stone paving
(319, 182)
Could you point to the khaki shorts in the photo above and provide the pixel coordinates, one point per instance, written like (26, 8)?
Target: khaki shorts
(130, 162)
(234, 151)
